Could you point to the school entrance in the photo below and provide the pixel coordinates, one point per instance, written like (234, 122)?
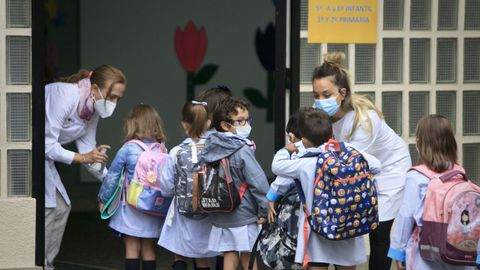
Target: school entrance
(425, 59)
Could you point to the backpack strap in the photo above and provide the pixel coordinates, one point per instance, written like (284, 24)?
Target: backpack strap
(298, 186)
(141, 144)
(424, 170)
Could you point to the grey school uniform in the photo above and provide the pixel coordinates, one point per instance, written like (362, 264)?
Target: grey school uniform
(128, 220)
(181, 235)
(347, 252)
(237, 230)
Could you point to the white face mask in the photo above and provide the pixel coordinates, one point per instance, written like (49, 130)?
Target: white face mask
(243, 131)
(103, 107)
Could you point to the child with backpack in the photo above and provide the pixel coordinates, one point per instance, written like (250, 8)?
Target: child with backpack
(143, 132)
(235, 230)
(280, 186)
(438, 225)
(314, 249)
(186, 230)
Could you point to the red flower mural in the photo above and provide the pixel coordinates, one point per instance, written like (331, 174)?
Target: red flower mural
(191, 47)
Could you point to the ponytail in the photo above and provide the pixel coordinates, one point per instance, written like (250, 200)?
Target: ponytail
(76, 77)
(195, 114)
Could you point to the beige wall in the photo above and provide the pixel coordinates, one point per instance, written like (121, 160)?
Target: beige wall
(17, 237)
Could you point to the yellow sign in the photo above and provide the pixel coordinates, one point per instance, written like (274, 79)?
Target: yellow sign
(342, 21)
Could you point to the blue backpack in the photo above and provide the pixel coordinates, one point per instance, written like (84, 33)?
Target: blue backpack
(345, 197)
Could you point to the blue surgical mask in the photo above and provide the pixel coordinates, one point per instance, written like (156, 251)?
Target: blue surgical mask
(243, 131)
(329, 105)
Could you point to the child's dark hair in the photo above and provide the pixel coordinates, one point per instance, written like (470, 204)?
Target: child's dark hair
(436, 143)
(315, 125)
(292, 125)
(195, 114)
(213, 96)
(225, 109)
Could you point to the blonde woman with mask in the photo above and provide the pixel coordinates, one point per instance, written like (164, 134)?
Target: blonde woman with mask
(357, 121)
(73, 107)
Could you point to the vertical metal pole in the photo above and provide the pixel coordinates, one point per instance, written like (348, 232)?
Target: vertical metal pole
(38, 125)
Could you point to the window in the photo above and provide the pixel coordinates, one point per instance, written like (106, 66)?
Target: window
(447, 106)
(392, 60)
(471, 161)
(310, 57)
(418, 107)
(412, 148)
(364, 63)
(18, 60)
(419, 60)
(420, 14)
(471, 113)
(392, 110)
(19, 173)
(18, 13)
(471, 60)
(393, 14)
(18, 113)
(447, 14)
(472, 15)
(446, 60)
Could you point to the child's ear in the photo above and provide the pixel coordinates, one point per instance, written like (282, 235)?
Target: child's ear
(185, 125)
(225, 126)
(291, 137)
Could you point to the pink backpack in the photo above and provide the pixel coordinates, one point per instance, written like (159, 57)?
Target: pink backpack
(144, 191)
(451, 217)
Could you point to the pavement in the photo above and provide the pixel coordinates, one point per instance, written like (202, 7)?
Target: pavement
(88, 244)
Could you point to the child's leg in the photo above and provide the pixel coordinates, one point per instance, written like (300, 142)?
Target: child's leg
(180, 263)
(379, 244)
(148, 249)
(132, 247)
(317, 266)
(148, 254)
(202, 263)
(245, 258)
(132, 252)
(230, 260)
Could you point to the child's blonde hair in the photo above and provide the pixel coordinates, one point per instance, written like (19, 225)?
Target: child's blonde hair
(332, 69)
(144, 122)
(436, 143)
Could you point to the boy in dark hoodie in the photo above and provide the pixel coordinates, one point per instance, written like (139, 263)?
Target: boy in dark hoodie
(234, 233)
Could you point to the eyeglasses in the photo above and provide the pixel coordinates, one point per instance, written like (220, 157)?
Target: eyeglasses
(242, 121)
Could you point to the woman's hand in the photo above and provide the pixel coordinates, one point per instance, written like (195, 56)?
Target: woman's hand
(271, 212)
(93, 156)
(100, 207)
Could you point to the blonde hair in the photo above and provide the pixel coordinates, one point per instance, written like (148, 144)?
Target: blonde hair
(103, 76)
(436, 144)
(144, 122)
(196, 116)
(332, 69)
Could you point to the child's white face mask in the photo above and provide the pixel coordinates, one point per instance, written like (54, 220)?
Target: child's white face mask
(243, 131)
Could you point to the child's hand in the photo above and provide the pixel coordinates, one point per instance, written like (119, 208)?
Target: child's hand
(400, 265)
(291, 148)
(271, 212)
(261, 220)
(100, 207)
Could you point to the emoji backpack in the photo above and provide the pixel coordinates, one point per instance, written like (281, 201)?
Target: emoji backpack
(451, 217)
(344, 196)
